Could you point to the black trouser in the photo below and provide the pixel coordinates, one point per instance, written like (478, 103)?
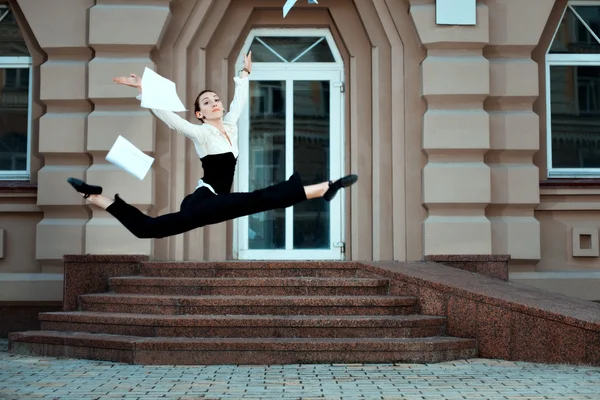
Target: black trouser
(203, 207)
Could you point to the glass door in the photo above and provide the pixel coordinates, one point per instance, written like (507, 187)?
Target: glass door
(293, 122)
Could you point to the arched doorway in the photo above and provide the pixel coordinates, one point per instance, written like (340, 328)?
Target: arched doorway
(293, 122)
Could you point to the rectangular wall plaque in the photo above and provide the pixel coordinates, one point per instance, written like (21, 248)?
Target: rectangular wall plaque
(456, 12)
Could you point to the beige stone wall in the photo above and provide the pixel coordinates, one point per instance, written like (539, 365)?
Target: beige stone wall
(570, 262)
(62, 37)
(85, 112)
(480, 132)
(456, 180)
(440, 126)
(199, 50)
(485, 137)
(122, 37)
(196, 44)
(514, 126)
(567, 212)
(22, 276)
(78, 113)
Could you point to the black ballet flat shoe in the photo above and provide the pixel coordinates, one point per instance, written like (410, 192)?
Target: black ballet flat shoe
(339, 184)
(84, 188)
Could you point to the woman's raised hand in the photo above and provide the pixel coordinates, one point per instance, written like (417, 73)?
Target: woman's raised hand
(132, 80)
(248, 61)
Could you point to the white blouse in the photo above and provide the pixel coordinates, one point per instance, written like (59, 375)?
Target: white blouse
(207, 139)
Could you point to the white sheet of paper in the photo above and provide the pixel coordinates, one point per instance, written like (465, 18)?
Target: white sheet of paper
(159, 93)
(290, 3)
(288, 6)
(129, 158)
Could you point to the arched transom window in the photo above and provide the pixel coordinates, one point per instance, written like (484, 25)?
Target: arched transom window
(290, 49)
(292, 46)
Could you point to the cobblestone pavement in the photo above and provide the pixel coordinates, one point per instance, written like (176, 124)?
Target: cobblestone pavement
(26, 378)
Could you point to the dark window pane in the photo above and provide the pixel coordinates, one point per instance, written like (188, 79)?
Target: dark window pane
(260, 53)
(572, 37)
(311, 160)
(12, 43)
(320, 53)
(575, 113)
(266, 230)
(591, 16)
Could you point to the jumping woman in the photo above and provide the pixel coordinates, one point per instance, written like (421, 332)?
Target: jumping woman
(216, 142)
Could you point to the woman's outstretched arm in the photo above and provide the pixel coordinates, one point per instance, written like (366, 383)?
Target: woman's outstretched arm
(171, 119)
(240, 96)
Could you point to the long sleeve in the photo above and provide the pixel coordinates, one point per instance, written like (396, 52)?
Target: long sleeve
(175, 122)
(240, 98)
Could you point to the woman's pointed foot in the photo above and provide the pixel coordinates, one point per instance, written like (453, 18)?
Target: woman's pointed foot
(334, 187)
(84, 188)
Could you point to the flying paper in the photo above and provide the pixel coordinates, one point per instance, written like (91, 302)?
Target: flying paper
(159, 93)
(129, 158)
(290, 3)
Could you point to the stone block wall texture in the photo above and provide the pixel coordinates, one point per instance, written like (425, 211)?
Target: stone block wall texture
(493, 266)
(510, 321)
(85, 112)
(480, 185)
(100, 39)
(478, 131)
(456, 133)
(514, 126)
(89, 274)
(62, 129)
(122, 36)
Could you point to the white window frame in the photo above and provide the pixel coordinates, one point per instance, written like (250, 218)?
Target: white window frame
(333, 71)
(573, 60)
(295, 32)
(22, 63)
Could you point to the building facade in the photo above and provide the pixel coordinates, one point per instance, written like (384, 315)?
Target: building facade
(468, 139)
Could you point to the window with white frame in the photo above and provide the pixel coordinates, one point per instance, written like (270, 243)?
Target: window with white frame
(291, 49)
(15, 99)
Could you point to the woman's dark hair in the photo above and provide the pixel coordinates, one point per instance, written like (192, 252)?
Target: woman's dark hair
(197, 102)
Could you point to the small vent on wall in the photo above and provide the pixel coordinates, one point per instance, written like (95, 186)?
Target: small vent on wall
(585, 242)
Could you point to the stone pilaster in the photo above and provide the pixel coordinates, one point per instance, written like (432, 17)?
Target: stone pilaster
(62, 129)
(122, 36)
(515, 29)
(456, 133)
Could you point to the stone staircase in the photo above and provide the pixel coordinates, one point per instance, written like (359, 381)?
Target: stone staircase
(245, 313)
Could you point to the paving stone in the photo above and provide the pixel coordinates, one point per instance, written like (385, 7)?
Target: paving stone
(23, 378)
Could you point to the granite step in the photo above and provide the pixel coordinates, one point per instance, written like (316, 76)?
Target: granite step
(298, 286)
(253, 305)
(263, 312)
(259, 269)
(231, 326)
(249, 351)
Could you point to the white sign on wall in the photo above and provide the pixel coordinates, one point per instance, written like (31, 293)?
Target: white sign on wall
(456, 12)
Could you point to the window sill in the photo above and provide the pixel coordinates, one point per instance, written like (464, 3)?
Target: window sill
(18, 187)
(557, 183)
